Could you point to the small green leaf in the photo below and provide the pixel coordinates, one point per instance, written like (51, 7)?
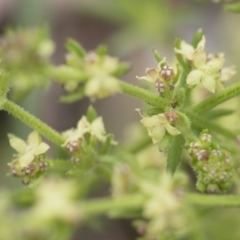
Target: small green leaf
(91, 114)
(157, 56)
(165, 142)
(73, 97)
(197, 37)
(74, 47)
(106, 145)
(218, 113)
(174, 153)
(153, 111)
(102, 50)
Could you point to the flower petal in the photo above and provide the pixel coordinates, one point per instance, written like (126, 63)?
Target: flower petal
(214, 65)
(33, 138)
(83, 126)
(199, 58)
(98, 130)
(194, 77)
(227, 73)
(150, 122)
(145, 78)
(157, 133)
(172, 130)
(152, 72)
(26, 159)
(41, 148)
(18, 144)
(209, 83)
(201, 44)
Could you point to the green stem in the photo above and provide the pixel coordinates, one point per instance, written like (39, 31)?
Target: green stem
(137, 201)
(214, 200)
(144, 95)
(33, 122)
(106, 204)
(198, 121)
(217, 98)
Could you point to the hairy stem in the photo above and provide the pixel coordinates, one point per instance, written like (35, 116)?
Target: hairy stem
(33, 122)
(203, 123)
(146, 96)
(217, 98)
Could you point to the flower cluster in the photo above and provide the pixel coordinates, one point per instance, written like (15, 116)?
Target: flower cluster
(25, 55)
(29, 163)
(75, 137)
(160, 124)
(206, 68)
(98, 72)
(214, 168)
(162, 77)
(164, 207)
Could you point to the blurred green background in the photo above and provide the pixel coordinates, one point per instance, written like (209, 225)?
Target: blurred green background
(131, 29)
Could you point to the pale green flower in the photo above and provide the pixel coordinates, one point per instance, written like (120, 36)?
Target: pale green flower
(27, 151)
(206, 71)
(152, 74)
(96, 129)
(165, 201)
(102, 83)
(101, 86)
(226, 74)
(76, 134)
(157, 126)
(188, 51)
(55, 200)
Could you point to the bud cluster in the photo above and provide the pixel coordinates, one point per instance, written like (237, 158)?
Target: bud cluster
(213, 167)
(162, 77)
(31, 171)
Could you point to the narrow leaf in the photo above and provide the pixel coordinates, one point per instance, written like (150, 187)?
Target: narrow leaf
(91, 113)
(106, 145)
(197, 37)
(73, 97)
(174, 153)
(157, 56)
(74, 47)
(218, 113)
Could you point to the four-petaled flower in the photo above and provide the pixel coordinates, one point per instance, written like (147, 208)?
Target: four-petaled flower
(76, 134)
(157, 126)
(96, 130)
(102, 83)
(207, 71)
(27, 151)
(152, 74)
(188, 51)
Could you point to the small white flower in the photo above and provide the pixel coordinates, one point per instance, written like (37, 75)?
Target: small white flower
(206, 71)
(157, 126)
(101, 86)
(188, 51)
(76, 134)
(152, 74)
(27, 151)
